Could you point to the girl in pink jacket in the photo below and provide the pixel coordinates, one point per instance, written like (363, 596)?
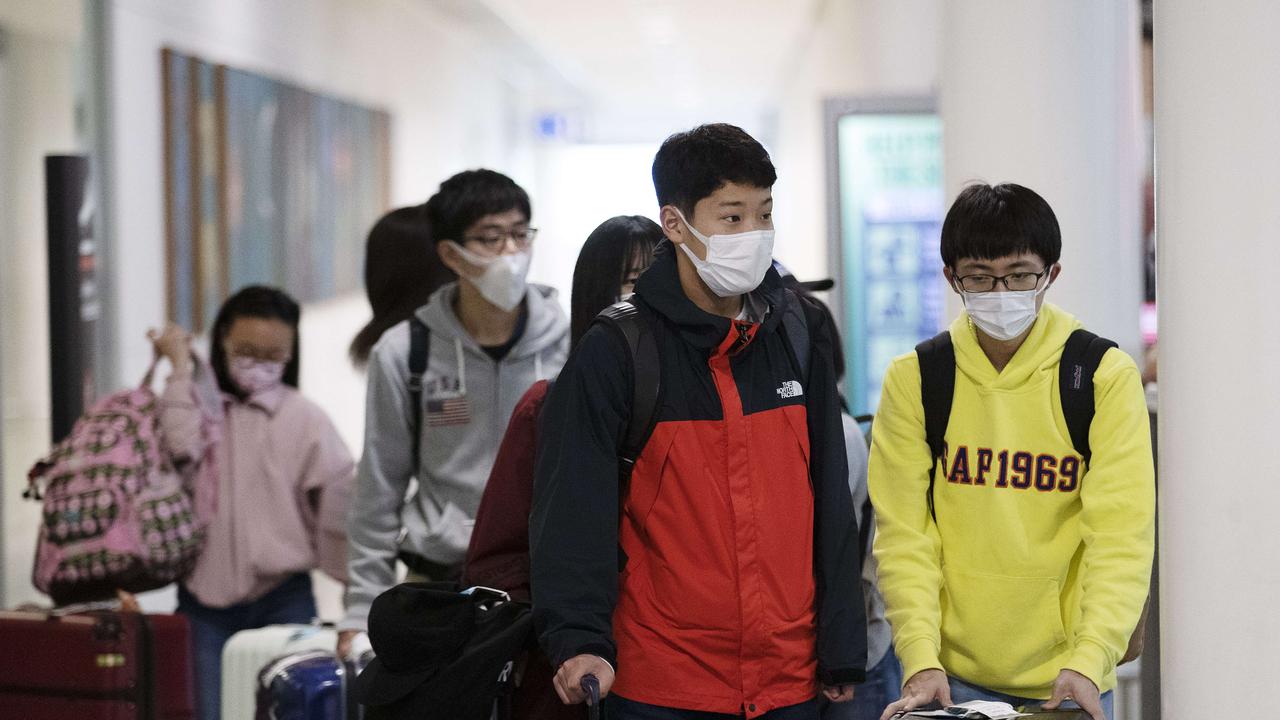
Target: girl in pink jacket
(284, 480)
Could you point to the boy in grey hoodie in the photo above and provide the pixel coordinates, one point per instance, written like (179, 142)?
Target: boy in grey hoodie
(490, 336)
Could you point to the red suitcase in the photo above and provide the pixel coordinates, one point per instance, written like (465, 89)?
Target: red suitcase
(98, 665)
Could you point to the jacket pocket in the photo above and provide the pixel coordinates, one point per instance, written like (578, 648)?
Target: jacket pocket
(448, 532)
(785, 518)
(646, 478)
(798, 420)
(272, 516)
(1005, 625)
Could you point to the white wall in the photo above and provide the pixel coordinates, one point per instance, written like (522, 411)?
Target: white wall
(873, 48)
(37, 81)
(1047, 95)
(581, 186)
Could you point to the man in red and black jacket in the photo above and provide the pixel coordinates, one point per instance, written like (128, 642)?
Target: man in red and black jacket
(728, 580)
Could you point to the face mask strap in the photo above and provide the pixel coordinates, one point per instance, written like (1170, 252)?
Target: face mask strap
(704, 239)
(479, 261)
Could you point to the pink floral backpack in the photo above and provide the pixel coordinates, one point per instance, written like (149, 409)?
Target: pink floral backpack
(117, 513)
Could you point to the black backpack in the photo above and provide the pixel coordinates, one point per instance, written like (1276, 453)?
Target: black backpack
(637, 328)
(1080, 359)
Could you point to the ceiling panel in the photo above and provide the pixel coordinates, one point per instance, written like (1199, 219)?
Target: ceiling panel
(648, 55)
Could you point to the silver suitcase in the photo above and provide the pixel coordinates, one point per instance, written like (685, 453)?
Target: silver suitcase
(249, 651)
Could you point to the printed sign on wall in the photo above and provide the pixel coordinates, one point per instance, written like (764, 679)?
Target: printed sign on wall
(891, 205)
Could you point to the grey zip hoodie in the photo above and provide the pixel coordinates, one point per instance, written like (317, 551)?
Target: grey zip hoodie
(468, 399)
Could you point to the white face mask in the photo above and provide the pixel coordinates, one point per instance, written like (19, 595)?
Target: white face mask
(735, 264)
(1003, 315)
(502, 281)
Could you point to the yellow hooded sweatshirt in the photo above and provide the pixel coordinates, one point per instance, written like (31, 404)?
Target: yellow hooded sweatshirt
(1035, 564)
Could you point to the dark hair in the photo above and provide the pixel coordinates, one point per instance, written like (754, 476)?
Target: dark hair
(255, 301)
(988, 222)
(693, 164)
(607, 257)
(470, 195)
(401, 271)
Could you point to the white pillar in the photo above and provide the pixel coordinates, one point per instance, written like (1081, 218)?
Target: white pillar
(1218, 224)
(1046, 94)
(37, 103)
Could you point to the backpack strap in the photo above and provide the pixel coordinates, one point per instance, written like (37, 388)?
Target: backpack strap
(795, 326)
(864, 529)
(1080, 359)
(937, 359)
(868, 511)
(646, 383)
(419, 354)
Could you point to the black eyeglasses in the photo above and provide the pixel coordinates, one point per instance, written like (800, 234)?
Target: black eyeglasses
(1016, 282)
(496, 240)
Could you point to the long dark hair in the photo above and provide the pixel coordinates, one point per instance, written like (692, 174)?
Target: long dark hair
(619, 246)
(255, 301)
(401, 271)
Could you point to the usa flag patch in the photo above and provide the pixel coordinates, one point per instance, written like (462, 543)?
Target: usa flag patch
(449, 411)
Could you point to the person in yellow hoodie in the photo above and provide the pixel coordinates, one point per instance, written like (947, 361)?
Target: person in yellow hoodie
(1018, 571)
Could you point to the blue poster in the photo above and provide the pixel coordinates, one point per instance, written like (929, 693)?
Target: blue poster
(891, 209)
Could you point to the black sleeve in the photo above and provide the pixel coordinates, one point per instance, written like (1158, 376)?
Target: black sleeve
(842, 620)
(573, 524)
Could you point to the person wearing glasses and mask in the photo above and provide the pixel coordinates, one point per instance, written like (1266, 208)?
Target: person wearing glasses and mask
(488, 337)
(1016, 569)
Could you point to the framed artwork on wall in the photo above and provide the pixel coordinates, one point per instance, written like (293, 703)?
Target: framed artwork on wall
(267, 183)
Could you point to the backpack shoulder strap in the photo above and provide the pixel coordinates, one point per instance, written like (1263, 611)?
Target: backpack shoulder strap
(646, 380)
(864, 530)
(419, 354)
(796, 327)
(937, 359)
(1080, 359)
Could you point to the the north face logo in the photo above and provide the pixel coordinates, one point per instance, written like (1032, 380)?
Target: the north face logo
(790, 389)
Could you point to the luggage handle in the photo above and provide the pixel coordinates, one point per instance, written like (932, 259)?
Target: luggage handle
(79, 608)
(474, 589)
(495, 598)
(150, 375)
(591, 686)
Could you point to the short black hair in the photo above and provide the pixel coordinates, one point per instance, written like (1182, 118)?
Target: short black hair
(693, 164)
(988, 222)
(401, 272)
(255, 301)
(610, 254)
(470, 195)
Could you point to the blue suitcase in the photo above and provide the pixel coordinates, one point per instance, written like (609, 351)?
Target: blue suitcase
(305, 686)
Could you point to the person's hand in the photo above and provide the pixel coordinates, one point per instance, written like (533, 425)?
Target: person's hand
(128, 602)
(923, 688)
(568, 680)
(1073, 686)
(172, 343)
(838, 693)
(344, 642)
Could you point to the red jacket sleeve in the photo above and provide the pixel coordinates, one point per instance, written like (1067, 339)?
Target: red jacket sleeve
(499, 553)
